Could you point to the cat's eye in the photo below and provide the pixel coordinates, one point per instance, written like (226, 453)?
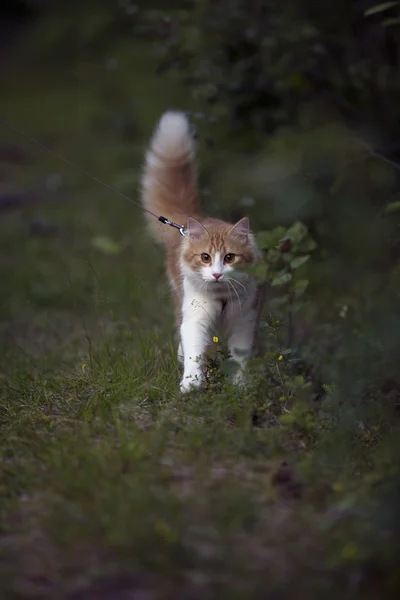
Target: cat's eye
(206, 258)
(229, 258)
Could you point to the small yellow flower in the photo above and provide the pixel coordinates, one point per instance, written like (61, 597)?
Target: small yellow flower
(280, 357)
(83, 366)
(215, 339)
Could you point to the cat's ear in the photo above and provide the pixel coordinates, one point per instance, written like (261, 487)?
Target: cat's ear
(241, 229)
(195, 230)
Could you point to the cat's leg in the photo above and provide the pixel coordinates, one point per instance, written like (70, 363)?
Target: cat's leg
(179, 343)
(199, 313)
(180, 353)
(178, 315)
(241, 339)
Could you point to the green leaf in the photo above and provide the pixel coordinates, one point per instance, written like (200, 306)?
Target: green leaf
(269, 239)
(259, 271)
(273, 256)
(277, 234)
(300, 287)
(105, 244)
(281, 279)
(298, 232)
(392, 207)
(263, 239)
(379, 8)
(299, 261)
(301, 284)
(286, 351)
(288, 257)
(307, 245)
(229, 367)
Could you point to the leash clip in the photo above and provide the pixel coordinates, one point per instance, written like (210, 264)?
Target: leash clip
(166, 221)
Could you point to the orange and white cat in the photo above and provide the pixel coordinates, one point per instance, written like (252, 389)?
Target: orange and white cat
(208, 290)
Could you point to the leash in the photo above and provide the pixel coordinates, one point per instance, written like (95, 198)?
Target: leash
(162, 219)
(32, 140)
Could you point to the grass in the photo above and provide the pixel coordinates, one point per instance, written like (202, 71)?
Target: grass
(111, 483)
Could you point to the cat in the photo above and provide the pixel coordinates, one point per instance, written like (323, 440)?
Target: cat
(208, 290)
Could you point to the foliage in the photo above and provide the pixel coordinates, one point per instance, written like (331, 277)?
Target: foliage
(307, 92)
(261, 61)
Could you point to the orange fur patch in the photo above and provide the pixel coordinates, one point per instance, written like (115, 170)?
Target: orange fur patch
(169, 188)
(217, 238)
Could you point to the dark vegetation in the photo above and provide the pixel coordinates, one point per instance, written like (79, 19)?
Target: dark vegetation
(111, 484)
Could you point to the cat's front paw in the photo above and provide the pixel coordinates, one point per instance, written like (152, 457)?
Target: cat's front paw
(191, 381)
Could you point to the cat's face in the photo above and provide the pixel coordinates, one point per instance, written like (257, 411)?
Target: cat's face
(211, 252)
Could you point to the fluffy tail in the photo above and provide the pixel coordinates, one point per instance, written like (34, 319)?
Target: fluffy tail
(169, 181)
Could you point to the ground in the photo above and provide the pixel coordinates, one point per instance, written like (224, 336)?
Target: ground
(113, 485)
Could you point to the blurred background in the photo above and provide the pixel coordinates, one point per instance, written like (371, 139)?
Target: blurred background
(111, 486)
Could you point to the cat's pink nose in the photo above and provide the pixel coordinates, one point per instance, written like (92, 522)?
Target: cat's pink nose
(217, 275)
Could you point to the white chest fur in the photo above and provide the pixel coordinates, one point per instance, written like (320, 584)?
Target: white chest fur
(207, 306)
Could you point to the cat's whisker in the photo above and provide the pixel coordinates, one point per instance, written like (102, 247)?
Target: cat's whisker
(176, 287)
(229, 302)
(203, 286)
(237, 296)
(173, 290)
(239, 283)
(231, 307)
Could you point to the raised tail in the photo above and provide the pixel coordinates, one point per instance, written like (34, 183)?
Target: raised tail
(169, 181)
